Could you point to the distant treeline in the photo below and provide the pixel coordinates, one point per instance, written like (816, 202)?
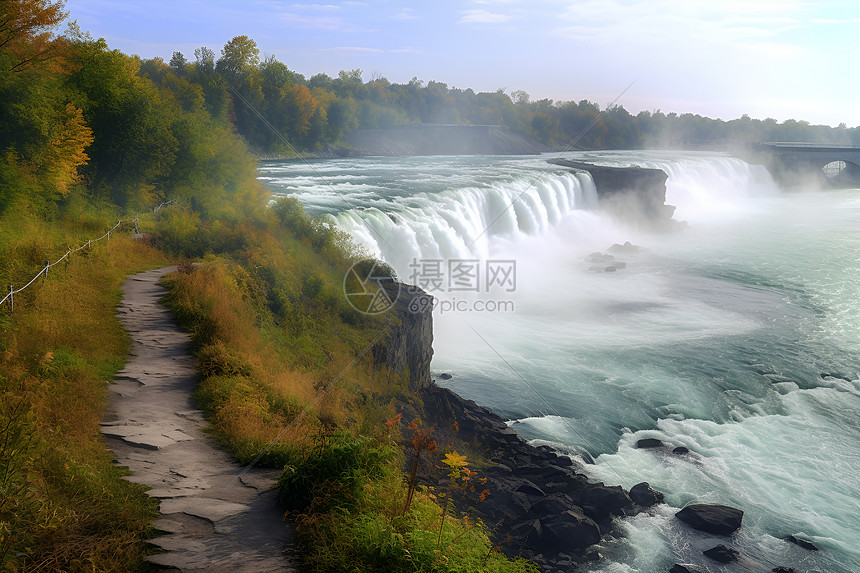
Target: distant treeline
(271, 105)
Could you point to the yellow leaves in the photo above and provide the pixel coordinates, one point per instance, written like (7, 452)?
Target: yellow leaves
(458, 464)
(66, 153)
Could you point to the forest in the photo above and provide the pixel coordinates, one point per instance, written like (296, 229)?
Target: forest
(90, 136)
(280, 112)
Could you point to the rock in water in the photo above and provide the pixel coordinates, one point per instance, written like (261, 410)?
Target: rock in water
(783, 569)
(649, 443)
(717, 519)
(678, 568)
(722, 554)
(643, 494)
(802, 543)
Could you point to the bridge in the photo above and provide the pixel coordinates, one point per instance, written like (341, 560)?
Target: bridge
(797, 164)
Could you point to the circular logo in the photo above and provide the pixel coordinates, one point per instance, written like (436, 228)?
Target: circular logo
(370, 287)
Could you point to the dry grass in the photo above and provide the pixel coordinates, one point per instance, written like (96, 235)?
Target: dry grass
(72, 511)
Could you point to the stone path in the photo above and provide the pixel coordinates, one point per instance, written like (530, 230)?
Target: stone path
(212, 520)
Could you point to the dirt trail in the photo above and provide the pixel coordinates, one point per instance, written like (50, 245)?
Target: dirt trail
(212, 520)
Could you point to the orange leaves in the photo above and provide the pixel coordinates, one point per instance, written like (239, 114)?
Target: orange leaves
(25, 31)
(299, 105)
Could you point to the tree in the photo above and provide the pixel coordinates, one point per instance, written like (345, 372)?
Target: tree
(178, 62)
(238, 56)
(205, 58)
(26, 31)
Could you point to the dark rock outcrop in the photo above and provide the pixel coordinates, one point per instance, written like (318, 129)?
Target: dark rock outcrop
(679, 568)
(802, 543)
(646, 496)
(409, 344)
(539, 507)
(649, 443)
(681, 450)
(782, 569)
(722, 554)
(716, 519)
(635, 194)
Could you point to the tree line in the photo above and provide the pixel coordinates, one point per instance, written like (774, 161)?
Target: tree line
(79, 118)
(279, 111)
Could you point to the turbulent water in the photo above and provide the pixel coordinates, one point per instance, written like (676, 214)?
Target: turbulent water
(735, 333)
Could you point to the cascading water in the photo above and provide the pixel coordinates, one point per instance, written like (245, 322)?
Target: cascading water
(736, 335)
(461, 223)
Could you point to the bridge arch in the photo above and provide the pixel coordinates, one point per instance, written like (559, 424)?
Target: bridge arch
(793, 163)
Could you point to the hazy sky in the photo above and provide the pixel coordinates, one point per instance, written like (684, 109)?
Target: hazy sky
(719, 58)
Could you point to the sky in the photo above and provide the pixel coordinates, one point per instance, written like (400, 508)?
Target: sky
(785, 59)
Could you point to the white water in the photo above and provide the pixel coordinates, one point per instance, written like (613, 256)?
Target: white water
(717, 336)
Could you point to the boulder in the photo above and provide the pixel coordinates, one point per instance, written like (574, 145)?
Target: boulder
(570, 531)
(711, 518)
(643, 494)
(648, 443)
(783, 569)
(681, 450)
(722, 554)
(606, 500)
(802, 543)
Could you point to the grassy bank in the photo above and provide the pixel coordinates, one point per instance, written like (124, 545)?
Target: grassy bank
(288, 382)
(63, 505)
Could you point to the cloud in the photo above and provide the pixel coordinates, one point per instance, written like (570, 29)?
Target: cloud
(314, 22)
(354, 50)
(325, 7)
(405, 14)
(667, 26)
(835, 21)
(482, 17)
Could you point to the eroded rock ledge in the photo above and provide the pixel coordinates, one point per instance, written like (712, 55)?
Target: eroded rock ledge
(634, 194)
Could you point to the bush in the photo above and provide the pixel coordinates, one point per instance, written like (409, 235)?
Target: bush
(335, 473)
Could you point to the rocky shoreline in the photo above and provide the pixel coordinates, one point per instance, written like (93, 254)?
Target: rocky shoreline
(539, 507)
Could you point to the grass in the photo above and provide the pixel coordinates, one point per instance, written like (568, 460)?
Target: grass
(63, 504)
(286, 381)
(276, 344)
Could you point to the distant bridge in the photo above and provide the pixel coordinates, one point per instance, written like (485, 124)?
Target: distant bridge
(796, 164)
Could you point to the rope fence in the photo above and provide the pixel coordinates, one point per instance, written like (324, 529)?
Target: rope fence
(10, 295)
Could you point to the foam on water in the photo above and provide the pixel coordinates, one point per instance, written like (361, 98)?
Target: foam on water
(737, 336)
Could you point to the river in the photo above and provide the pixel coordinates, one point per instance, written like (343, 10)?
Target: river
(735, 333)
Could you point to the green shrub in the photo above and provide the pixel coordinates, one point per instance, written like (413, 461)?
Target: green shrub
(335, 472)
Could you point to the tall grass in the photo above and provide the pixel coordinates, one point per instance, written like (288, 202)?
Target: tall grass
(63, 504)
(276, 345)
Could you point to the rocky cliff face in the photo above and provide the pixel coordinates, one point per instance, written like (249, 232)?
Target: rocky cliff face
(409, 344)
(634, 194)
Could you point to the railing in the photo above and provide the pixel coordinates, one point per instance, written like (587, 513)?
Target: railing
(10, 296)
(809, 145)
